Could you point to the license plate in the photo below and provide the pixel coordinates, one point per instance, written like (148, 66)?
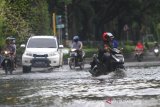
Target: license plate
(39, 63)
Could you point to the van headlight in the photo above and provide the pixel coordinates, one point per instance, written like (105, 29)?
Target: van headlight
(53, 54)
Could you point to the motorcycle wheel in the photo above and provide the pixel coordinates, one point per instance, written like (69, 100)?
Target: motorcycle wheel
(11, 70)
(82, 65)
(72, 63)
(6, 68)
(95, 72)
(139, 58)
(156, 55)
(26, 69)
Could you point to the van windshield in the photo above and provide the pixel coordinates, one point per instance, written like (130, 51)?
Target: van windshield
(42, 43)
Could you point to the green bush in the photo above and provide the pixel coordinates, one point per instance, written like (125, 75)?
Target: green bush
(88, 53)
(2, 42)
(129, 43)
(151, 44)
(128, 48)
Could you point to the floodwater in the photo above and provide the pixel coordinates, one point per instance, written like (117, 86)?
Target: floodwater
(133, 87)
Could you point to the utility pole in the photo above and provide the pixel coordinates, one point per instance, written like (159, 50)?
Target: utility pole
(66, 23)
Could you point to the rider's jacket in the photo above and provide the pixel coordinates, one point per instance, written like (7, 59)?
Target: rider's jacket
(115, 43)
(139, 46)
(77, 45)
(11, 48)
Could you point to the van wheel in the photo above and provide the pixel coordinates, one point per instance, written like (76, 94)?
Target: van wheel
(26, 69)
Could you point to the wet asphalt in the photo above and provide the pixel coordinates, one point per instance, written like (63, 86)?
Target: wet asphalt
(136, 86)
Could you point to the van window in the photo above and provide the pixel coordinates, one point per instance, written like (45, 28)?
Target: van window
(42, 43)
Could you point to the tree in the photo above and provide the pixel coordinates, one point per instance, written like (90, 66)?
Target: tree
(2, 17)
(25, 17)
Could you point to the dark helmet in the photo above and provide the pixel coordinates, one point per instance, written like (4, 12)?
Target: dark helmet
(10, 40)
(76, 38)
(107, 36)
(7, 41)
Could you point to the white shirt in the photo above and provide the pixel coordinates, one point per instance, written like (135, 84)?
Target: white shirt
(77, 45)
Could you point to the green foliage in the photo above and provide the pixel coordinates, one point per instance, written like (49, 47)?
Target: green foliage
(2, 42)
(16, 24)
(65, 1)
(21, 18)
(88, 53)
(128, 49)
(129, 43)
(158, 30)
(92, 17)
(40, 21)
(2, 17)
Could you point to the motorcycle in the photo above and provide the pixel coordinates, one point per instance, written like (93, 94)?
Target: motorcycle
(74, 59)
(7, 62)
(156, 51)
(139, 55)
(99, 68)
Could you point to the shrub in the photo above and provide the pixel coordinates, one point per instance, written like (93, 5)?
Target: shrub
(88, 53)
(128, 48)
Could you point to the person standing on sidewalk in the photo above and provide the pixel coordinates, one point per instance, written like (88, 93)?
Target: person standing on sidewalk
(13, 43)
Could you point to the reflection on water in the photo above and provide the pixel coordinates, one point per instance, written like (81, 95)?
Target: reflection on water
(136, 86)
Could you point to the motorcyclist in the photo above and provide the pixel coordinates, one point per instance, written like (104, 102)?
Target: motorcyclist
(13, 43)
(139, 46)
(78, 45)
(114, 43)
(104, 53)
(9, 47)
(108, 45)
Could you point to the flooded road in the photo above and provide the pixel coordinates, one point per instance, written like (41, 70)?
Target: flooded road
(133, 87)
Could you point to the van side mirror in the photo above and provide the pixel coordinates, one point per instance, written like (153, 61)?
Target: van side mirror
(23, 46)
(61, 46)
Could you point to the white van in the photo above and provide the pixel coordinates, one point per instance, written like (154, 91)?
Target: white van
(41, 51)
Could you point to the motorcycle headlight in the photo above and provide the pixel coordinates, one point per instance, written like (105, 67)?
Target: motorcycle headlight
(156, 50)
(6, 52)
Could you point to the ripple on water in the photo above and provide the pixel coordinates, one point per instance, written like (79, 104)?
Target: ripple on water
(43, 87)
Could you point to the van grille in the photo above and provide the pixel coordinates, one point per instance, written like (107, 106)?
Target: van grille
(35, 55)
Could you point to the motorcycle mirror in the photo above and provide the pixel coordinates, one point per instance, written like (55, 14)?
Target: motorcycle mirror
(121, 49)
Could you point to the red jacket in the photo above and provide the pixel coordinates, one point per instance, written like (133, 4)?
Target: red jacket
(139, 46)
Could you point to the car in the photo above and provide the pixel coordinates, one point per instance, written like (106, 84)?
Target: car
(41, 51)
